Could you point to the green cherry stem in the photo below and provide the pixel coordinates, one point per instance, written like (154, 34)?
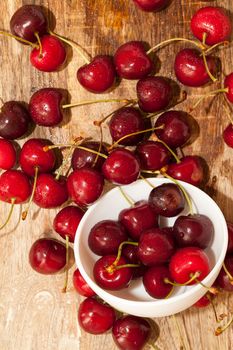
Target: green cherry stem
(61, 145)
(211, 93)
(25, 212)
(20, 39)
(84, 103)
(113, 266)
(220, 330)
(170, 150)
(128, 199)
(39, 43)
(64, 289)
(163, 43)
(192, 278)
(13, 200)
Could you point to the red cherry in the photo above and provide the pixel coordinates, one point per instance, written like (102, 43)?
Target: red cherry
(67, 220)
(152, 5)
(85, 186)
(132, 61)
(228, 135)
(214, 22)
(50, 192)
(228, 84)
(152, 155)
(14, 184)
(47, 256)
(99, 75)
(82, 158)
(223, 279)
(95, 317)
(52, 55)
(153, 281)
(203, 302)
(230, 237)
(81, 285)
(7, 154)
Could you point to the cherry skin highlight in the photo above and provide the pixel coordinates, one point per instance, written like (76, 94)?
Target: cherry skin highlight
(81, 285)
(153, 155)
(9, 190)
(153, 281)
(7, 154)
(82, 158)
(152, 5)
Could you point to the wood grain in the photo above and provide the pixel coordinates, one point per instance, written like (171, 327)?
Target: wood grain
(34, 314)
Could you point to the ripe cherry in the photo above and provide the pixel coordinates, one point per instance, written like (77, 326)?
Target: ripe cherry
(153, 281)
(132, 61)
(203, 301)
(81, 285)
(225, 279)
(153, 155)
(67, 220)
(14, 185)
(228, 135)
(7, 154)
(83, 158)
(95, 317)
(99, 75)
(152, 5)
(230, 237)
(130, 252)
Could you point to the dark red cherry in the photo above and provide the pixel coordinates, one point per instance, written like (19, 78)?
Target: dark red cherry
(85, 186)
(190, 69)
(154, 94)
(152, 5)
(116, 278)
(213, 21)
(167, 200)
(125, 121)
(28, 20)
(121, 167)
(228, 84)
(99, 75)
(45, 106)
(131, 332)
(132, 61)
(138, 218)
(81, 285)
(194, 230)
(153, 281)
(188, 261)
(223, 279)
(52, 55)
(106, 236)
(14, 184)
(190, 169)
(130, 252)
(50, 192)
(230, 237)
(14, 120)
(228, 135)
(82, 158)
(67, 220)
(153, 155)
(95, 317)
(47, 256)
(7, 154)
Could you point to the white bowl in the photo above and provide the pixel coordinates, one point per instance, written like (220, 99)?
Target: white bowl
(134, 300)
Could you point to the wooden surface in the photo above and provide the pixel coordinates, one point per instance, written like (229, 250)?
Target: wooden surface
(34, 314)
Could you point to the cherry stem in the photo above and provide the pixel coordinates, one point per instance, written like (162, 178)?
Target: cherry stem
(83, 103)
(39, 43)
(147, 181)
(228, 115)
(99, 122)
(153, 346)
(86, 57)
(125, 265)
(207, 68)
(192, 278)
(100, 145)
(212, 290)
(225, 43)
(211, 93)
(114, 264)
(25, 212)
(170, 150)
(228, 273)
(220, 330)
(209, 297)
(13, 200)
(128, 199)
(61, 145)
(20, 39)
(67, 265)
(170, 293)
(163, 43)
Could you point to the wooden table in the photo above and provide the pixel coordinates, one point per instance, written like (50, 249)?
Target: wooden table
(34, 314)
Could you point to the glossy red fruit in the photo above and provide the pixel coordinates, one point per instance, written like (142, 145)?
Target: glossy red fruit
(131, 332)
(154, 94)
(50, 192)
(153, 155)
(121, 167)
(132, 61)
(7, 154)
(230, 237)
(14, 184)
(81, 285)
(14, 120)
(204, 301)
(153, 281)
(99, 75)
(45, 106)
(85, 186)
(28, 20)
(152, 5)
(228, 84)
(190, 69)
(95, 317)
(214, 22)
(106, 236)
(228, 135)
(130, 252)
(114, 279)
(67, 220)
(223, 279)
(82, 158)
(52, 55)
(188, 261)
(47, 256)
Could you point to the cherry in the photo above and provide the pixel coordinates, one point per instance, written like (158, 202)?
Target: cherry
(153, 155)
(47, 256)
(130, 252)
(153, 281)
(167, 200)
(121, 167)
(224, 279)
(14, 120)
(99, 75)
(83, 158)
(67, 220)
(154, 94)
(131, 332)
(204, 301)
(194, 230)
(95, 317)
(51, 56)
(81, 285)
(106, 236)
(50, 192)
(108, 276)
(228, 135)
(132, 61)
(212, 21)
(230, 237)
(190, 68)
(138, 218)
(7, 154)
(85, 186)
(125, 121)
(188, 261)
(14, 186)
(228, 83)
(28, 20)
(152, 5)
